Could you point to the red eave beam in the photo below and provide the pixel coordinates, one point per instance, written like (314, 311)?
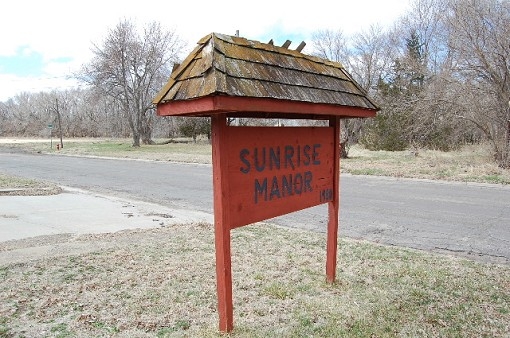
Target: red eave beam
(210, 105)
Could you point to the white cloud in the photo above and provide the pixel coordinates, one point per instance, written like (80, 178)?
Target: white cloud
(11, 85)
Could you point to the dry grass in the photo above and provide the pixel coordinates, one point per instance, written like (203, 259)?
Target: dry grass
(15, 186)
(470, 164)
(189, 152)
(161, 283)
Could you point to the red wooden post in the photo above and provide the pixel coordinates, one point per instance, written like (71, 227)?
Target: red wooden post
(334, 205)
(222, 223)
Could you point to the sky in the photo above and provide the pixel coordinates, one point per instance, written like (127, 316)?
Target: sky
(44, 42)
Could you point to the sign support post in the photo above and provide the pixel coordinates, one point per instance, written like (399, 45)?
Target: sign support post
(222, 223)
(50, 127)
(334, 205)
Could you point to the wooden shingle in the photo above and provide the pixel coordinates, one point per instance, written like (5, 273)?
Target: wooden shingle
(253, 79)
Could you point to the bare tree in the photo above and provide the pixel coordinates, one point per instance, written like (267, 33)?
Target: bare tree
(82, 112)
(331, 45)
(6, 119)
(425, 21)
(414, 94)
(27, 114)
(371, 57)
(131, 67)
(479, 40)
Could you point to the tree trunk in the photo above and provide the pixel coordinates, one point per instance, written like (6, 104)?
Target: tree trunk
(145, 127)
(146, 134)
(344, 151)
(136, 139)
(506, 149)
(146, 131)
(344, 139)
(508, 134)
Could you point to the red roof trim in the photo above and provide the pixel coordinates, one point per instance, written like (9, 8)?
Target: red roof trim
(209, 105)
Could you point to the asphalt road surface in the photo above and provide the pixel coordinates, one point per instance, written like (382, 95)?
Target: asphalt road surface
(465, 219)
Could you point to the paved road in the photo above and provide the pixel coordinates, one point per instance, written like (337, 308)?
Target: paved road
(467, 219)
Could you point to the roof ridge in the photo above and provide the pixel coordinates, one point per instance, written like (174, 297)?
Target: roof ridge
(254, 44)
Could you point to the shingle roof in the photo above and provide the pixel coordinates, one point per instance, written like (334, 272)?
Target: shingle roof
(232, 66)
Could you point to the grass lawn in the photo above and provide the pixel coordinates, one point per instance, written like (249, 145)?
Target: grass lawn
(161, 283)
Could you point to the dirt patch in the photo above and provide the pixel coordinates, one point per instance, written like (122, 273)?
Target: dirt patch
(54, 190)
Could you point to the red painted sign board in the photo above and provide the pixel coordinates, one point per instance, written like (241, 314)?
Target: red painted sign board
(263, 172)
(275, 171)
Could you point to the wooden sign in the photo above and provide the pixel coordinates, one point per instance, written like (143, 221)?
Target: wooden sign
(260, 173)
(275, 171)
(263, 172)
